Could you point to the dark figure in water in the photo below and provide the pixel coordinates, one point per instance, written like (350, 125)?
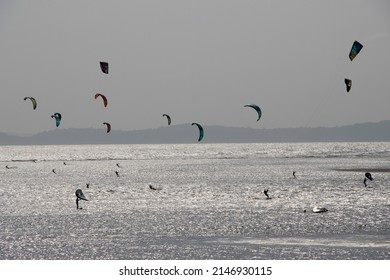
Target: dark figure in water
(118, 165)
(152, 188)
(54, 171)
(365, 180)
(117, 173)
(294, 175)
(79, 196)
(64, 163)
(87, 185)
(266, 194)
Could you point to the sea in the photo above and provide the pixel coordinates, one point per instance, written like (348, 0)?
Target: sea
(195, 202)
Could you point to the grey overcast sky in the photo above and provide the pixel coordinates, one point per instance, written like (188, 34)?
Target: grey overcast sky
(197, 60)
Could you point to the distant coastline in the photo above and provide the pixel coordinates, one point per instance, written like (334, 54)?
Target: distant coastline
(185, 133)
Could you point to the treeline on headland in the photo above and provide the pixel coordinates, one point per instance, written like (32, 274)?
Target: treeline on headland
(185, 133)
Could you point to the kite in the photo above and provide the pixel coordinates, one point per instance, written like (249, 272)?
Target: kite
(104, 67)
(168, 118)
(348, 84)
(201, 131)
(356, 48)
(105, 102)
(58, 118)
(34, 102)
(108, 126)
(257, 108)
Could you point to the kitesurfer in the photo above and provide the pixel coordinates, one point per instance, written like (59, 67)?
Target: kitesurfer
(266, 194)
(79, 196)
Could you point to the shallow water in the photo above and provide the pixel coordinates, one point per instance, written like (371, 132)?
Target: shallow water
(209, 203)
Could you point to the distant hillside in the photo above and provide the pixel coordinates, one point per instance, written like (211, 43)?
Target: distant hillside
(185, 133)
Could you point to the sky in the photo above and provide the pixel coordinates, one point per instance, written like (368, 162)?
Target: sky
(196, 60)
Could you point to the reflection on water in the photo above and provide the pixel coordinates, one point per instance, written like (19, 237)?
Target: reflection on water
(209, 202)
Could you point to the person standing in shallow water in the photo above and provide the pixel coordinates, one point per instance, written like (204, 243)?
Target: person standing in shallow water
(294, 175)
